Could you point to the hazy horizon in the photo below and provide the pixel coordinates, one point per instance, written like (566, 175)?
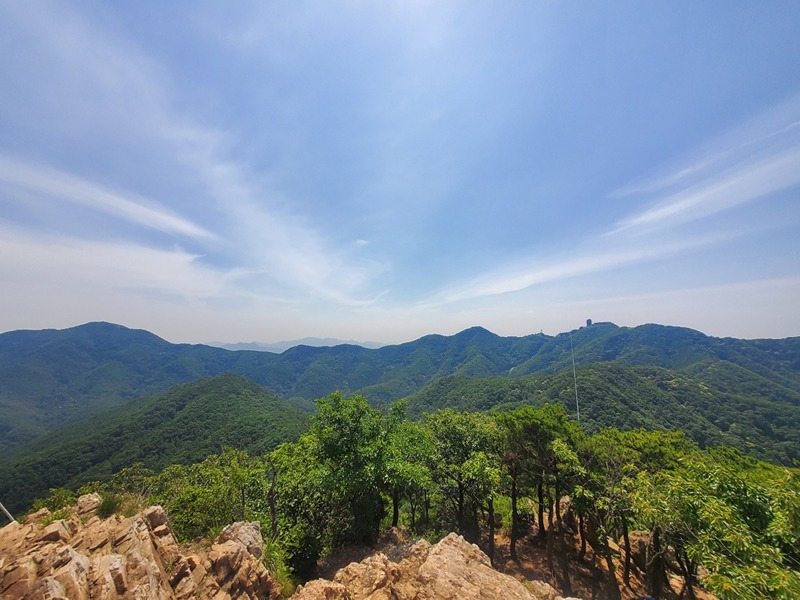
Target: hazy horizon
(381, 171)
(371, 344)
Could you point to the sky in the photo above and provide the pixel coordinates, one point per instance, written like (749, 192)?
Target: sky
(263, 171)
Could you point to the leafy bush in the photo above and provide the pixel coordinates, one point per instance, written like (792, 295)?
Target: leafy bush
(274, 560)
(59, 498)
(109, 505)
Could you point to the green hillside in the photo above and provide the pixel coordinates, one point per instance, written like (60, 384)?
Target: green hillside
(51, 377)
(714, 404)
(48, 378)
(183, 425)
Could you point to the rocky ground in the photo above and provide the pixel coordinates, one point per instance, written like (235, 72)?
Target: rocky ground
(451, 569)
(84, 557)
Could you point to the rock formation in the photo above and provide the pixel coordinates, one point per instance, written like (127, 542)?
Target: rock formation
(84, 557)
(451, 569)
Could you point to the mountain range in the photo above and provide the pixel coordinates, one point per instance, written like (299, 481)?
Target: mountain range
(180, 426)
(285, 345)
(108, 380)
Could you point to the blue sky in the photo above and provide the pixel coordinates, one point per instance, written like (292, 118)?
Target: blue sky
(383, 170)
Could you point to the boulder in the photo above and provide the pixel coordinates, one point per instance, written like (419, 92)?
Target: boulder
(57, 531)
(321, 589)
(131, 558)
(88, 503)
(452, 569)
(155, 516)
(246, 534)
(373, 573)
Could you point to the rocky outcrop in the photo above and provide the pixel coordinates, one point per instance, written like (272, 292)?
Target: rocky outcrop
(452, 569)
(84, 557)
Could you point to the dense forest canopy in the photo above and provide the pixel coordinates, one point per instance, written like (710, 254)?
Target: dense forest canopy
(358, 469)
(52, 377)
(471, 433)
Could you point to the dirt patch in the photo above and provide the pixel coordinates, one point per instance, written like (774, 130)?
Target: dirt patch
(587, 574)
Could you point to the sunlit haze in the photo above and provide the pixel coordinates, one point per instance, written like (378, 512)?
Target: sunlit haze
(384, 170)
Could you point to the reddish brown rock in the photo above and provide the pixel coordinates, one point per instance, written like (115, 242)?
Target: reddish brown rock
(84, 557)
(88, 503)
(452, 569)
(321, 589)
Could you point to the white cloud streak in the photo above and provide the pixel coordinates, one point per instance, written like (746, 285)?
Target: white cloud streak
(74, 266)
(750, 166)
(718, 193)
(746, 164)
(134, 99)
(534, 273)
(75, 190)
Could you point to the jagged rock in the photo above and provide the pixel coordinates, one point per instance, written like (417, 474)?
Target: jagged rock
(46, 589)
(247, 534)
(456, 569)
(88, 503)
(134, 558)
(452, 569)
(74, 575)
(57, 531)
(373, 573)
(37, 517)
(156, 516)
(321, 589)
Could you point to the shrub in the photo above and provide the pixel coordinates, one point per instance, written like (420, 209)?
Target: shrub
(108, 506)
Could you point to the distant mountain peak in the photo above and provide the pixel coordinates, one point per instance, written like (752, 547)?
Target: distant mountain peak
(279, 347)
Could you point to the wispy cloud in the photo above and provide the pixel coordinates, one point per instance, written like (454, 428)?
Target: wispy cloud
(746, 164)
(719, 192)
(534, 272)
(69, 264)
(131, 95)
(72, 189)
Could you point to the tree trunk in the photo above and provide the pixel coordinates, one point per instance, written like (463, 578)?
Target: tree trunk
(599, 541)
(491, 529)
(582, 532)
(655, 566)
(550, 551)
(395, 506)
(686, 571)
(626, 574)
(514, 518)
(549, 508)
(563, 559)
(540, 498)
(557, 492)
(460, 509)
(272, 499)
(613, 588)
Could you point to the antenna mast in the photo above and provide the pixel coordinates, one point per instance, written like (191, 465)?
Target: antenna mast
(8, 514)
(574, 377)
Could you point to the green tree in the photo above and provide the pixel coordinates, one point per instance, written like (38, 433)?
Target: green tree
(719, 516)
(457, 438)
(205, 497)
(407, 475)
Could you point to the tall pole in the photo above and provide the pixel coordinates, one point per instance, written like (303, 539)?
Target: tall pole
(8, 514)
(574, 377)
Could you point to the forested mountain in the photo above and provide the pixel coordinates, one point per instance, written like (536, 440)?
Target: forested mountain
(181, 426)
(51, 377)
(718, 404)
